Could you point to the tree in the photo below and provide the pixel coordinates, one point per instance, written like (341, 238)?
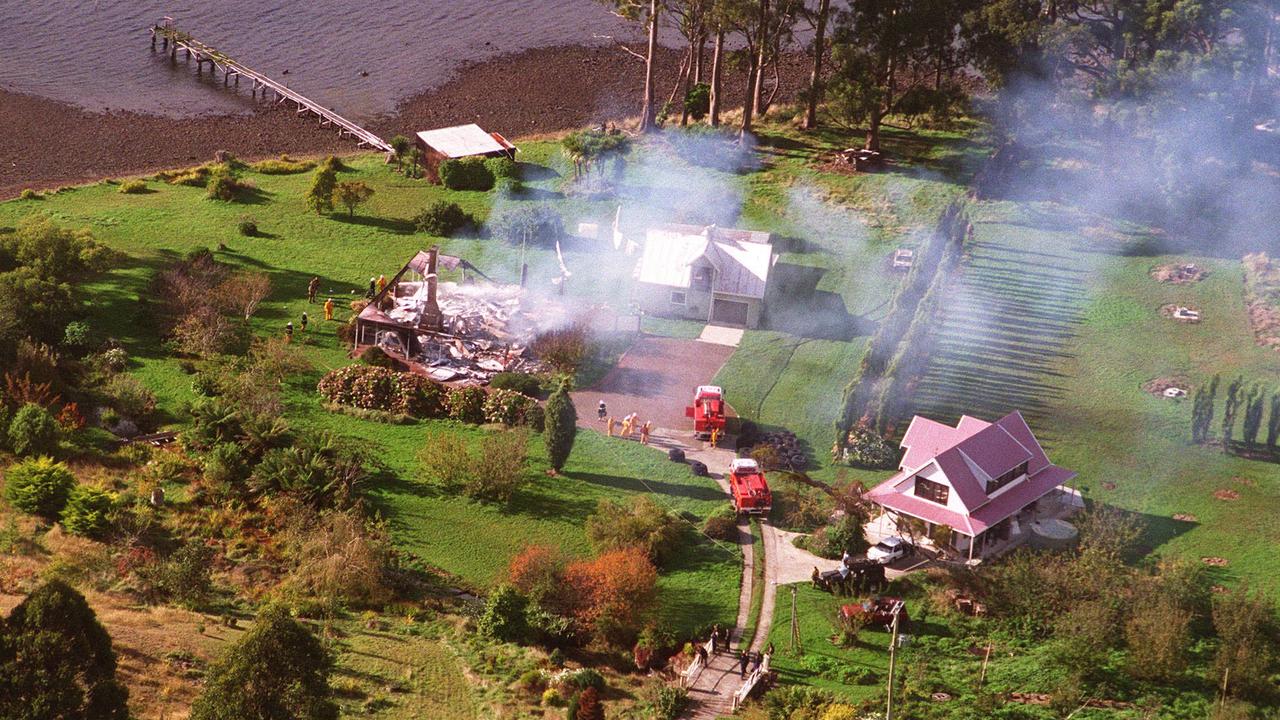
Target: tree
(33, 431)
(647, 13)
(400, 145)
(1244, 623)
(244, 291)
(641, 523)
(562, 426)
(616, 593)
(818, 18)
(351, 194)
(56, 660)
(320, 196)
(276, 671)
(589, 706)
(875, 50)
(504, 615)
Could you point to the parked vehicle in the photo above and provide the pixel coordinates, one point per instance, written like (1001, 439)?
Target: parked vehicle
(878, 610)
(889, 549)
(707, 411)
(751, 493)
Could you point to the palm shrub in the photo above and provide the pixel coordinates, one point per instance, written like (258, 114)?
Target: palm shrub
(33, 431)
(39, 487)
(561, 426)
(276, 671)
(88, 511)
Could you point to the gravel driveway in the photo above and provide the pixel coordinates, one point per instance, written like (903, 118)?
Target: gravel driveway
(654, 378)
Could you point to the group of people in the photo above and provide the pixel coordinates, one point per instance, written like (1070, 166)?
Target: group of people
(313, 289)
(748, 661)
(630, 424)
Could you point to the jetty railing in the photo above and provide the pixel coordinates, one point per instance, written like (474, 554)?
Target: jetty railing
(172, 40)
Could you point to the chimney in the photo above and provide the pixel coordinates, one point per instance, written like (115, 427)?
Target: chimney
(432, 318)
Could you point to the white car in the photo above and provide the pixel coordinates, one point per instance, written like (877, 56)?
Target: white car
(888, 550)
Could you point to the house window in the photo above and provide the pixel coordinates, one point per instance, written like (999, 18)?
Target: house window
(677, 298)
(1006, 478)
(932, 491)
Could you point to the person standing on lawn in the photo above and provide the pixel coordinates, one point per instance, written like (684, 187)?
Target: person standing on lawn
(328, 309)
(305, 320)
(313, 288)
(645, 429)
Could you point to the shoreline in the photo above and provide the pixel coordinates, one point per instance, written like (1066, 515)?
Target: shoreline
(47, 144)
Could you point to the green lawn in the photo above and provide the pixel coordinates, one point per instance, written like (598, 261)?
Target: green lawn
(831, 283)
(1055, 314)
(857, 672)
(471, 541)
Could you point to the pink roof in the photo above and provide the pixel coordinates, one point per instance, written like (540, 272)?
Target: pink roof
(926, 438)
(993, 448)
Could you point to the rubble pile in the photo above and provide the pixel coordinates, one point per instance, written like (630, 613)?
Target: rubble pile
(487, 330)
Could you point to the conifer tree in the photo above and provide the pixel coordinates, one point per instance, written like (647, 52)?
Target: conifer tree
(562, 421)
(56, 660)
(320, 195)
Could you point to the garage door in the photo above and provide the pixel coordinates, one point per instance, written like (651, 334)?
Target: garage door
(729, 312)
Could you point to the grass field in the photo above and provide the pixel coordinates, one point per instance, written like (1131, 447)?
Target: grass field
(471, 541)
(1055, 313)
(832, 282)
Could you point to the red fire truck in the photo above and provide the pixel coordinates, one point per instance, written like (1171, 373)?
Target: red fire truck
(750, 491)
(707, 411)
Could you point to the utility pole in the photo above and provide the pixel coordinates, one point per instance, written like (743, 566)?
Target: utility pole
(524, 268)
(893, 656)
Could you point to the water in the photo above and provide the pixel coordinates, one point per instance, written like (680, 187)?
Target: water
(96, 54)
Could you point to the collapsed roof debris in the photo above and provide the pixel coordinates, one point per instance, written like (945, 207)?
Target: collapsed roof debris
(456, 333)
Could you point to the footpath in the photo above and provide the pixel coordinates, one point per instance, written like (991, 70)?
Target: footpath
(712, 690)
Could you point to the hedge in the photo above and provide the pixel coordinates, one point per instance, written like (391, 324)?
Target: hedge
(378, 388)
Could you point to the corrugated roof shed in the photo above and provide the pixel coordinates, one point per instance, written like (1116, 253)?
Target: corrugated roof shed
(464, 141)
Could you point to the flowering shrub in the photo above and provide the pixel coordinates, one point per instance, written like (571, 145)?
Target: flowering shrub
(467, 405)
(512, 408)
(378, 388)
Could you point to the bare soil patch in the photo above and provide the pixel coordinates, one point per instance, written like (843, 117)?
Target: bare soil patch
(1225, 494)
(1179, 273)
(1215, 561)
(1108, 485)
(1185, 517)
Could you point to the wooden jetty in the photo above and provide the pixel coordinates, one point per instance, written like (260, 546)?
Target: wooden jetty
(172, 40)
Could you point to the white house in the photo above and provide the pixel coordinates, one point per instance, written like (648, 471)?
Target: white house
(705, 273)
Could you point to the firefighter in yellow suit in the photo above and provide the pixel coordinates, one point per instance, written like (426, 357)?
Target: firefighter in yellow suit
(328, 309)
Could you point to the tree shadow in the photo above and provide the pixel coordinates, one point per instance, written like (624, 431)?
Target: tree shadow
(637, 485)
(534, 172)
(399, 226)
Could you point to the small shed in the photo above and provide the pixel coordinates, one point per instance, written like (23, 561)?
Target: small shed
(460, 141)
